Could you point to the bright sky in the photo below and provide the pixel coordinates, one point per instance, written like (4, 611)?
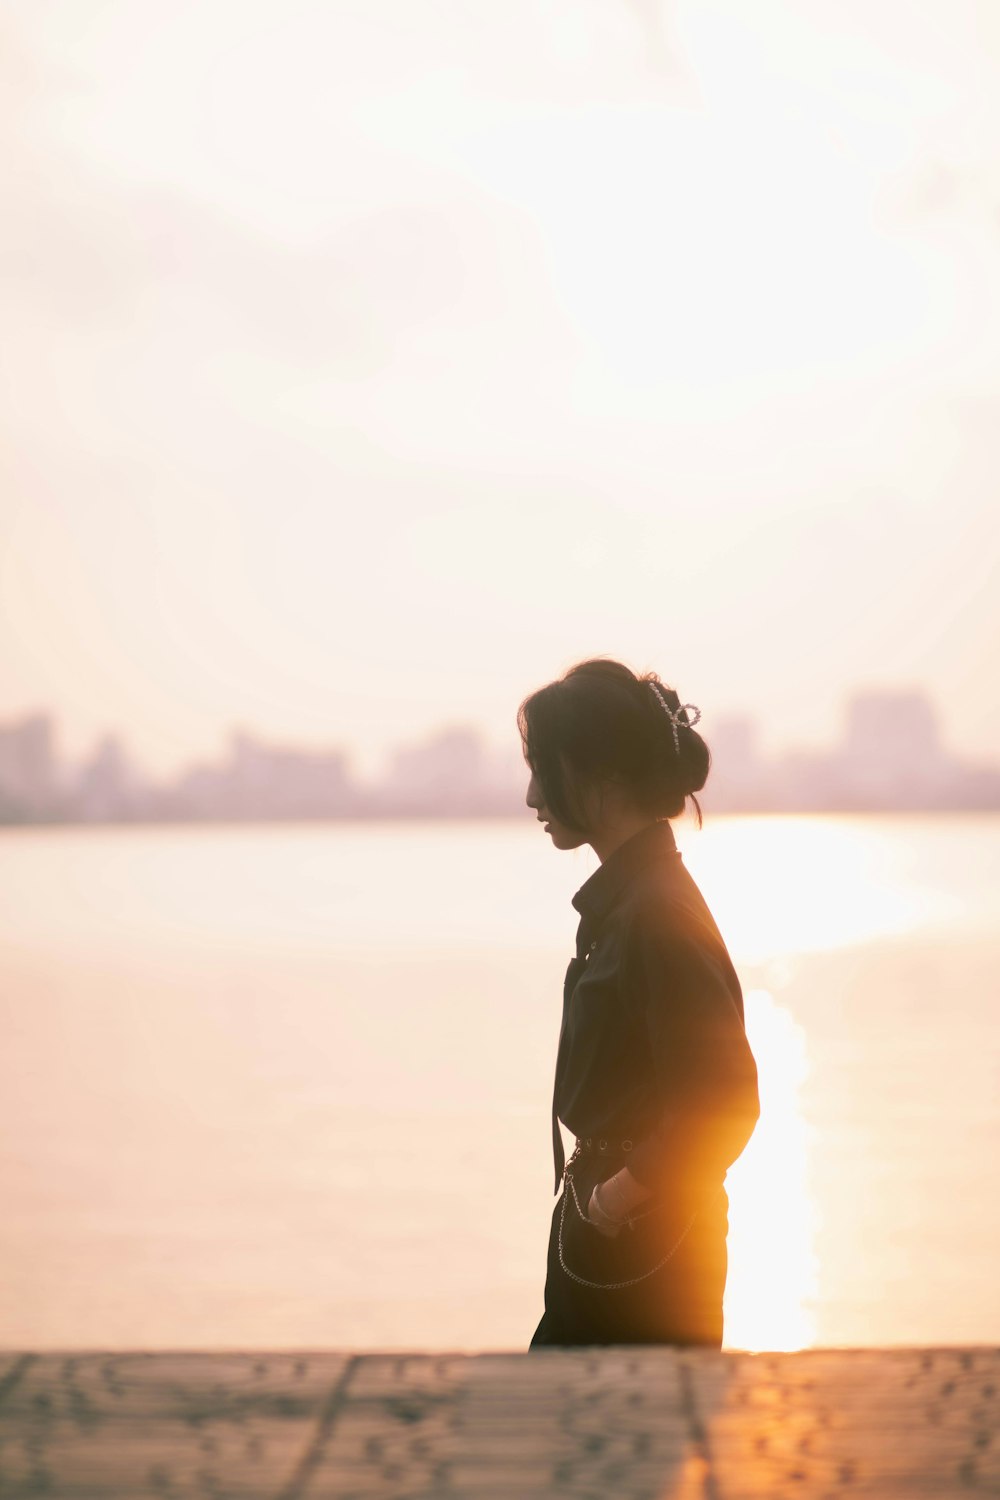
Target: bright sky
(366, 364)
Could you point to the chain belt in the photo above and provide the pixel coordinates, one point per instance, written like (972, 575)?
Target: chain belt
(630, 1220)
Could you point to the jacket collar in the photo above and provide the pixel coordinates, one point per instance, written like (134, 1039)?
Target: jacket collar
(601, 891)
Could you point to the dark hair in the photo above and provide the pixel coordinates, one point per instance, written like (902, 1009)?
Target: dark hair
(602, 720)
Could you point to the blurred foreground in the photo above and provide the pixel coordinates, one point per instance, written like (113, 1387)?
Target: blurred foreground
(635, 1423)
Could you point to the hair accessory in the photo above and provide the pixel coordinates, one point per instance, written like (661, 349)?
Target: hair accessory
(674, 714)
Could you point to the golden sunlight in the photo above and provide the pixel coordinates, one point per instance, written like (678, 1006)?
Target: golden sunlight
(772, 1280)
(811, 883)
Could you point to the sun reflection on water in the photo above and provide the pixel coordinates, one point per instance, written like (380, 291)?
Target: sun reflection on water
(806, 884)
(772, 1282)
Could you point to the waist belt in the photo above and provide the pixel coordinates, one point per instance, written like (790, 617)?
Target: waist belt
(603, 1145)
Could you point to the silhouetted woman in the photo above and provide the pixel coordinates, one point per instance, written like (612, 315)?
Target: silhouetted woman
(654, 1075)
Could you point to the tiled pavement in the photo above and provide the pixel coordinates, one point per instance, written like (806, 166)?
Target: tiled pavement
(610, 1423)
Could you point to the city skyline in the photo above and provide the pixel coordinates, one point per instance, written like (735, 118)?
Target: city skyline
(890, 754)
(500, 339)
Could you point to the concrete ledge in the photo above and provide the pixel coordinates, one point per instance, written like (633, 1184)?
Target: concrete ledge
(612, 1423)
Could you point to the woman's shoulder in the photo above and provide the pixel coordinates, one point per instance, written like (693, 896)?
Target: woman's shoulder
(666, 914)
(666, 899)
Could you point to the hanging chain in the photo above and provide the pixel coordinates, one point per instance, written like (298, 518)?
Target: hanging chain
(608, 1285)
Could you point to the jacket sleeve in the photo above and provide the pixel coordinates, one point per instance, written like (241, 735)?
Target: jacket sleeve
(688, 1004)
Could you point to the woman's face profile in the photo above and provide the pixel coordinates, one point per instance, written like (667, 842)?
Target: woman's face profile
(562, 836)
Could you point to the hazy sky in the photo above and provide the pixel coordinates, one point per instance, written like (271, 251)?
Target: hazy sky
(367, 362)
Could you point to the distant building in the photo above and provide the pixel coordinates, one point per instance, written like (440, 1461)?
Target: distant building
(29, 786)
(738, 773)
(890, 758)
(449, 774)
(267, 781)
(108, 787)
(892, 751)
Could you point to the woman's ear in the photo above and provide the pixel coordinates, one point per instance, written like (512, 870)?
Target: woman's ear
(576, 788)
(596, 792)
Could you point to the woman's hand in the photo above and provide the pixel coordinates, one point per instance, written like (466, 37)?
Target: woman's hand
(621, 1194)
(607, 1224)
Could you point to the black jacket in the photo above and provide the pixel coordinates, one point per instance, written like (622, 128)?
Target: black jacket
(653, 1058)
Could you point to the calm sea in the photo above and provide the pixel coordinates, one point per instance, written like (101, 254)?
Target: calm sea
(288, 1087)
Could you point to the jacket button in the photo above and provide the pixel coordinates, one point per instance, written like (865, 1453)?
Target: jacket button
(604, 1145)
(626, 1145)
(588, 1140)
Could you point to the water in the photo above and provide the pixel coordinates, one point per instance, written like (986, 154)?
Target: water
(288, 1087)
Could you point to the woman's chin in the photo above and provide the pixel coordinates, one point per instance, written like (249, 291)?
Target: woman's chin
(564, 838)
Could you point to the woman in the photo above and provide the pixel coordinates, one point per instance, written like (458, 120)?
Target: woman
(654, 1074)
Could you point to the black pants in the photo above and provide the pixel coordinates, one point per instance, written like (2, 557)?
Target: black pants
(681, 1303)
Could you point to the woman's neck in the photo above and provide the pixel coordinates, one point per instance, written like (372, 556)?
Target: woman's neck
(606, 839)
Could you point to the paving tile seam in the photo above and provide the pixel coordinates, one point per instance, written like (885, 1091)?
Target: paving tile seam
(697, 1431)
(15, 1374)
(335, 1401)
